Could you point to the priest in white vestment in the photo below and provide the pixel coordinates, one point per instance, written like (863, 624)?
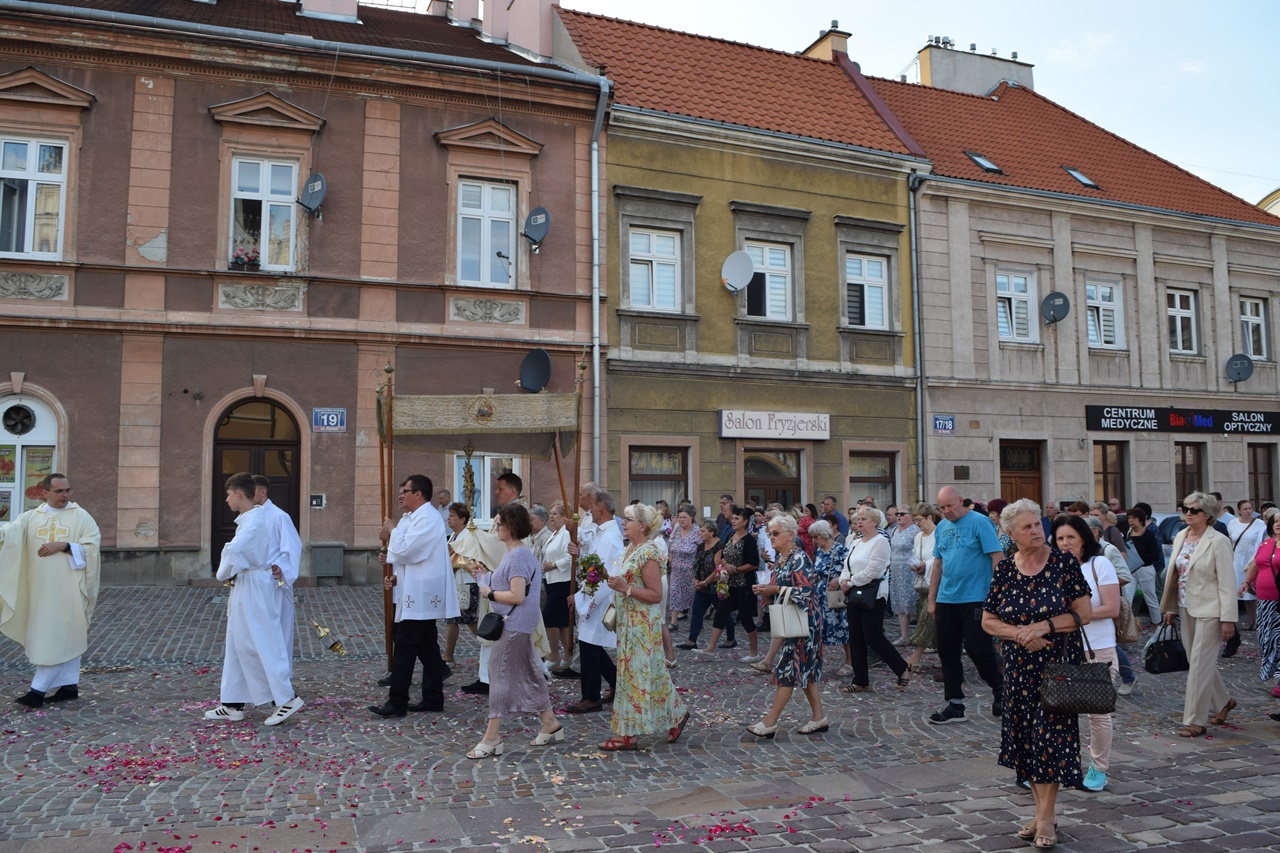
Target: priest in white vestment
(256, 668)
(49, 570)
(423, 591)
(286, 561)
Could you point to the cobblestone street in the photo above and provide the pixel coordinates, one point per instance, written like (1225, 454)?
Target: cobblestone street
(134, 765)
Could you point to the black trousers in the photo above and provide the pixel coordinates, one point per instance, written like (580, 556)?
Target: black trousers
(596, 665)
(742, 599)
(866, 631)
(960, 625)
(415, 640)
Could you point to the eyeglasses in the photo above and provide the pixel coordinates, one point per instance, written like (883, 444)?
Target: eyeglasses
(407, 491)
(901, 514)
(1190, 510)
(773, 533)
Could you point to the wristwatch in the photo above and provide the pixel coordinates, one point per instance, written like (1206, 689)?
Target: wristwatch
(491, 598)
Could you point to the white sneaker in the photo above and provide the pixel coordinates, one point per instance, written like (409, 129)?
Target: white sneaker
(222, 712)
(756, 658)
(284, 712)
(1124, 688)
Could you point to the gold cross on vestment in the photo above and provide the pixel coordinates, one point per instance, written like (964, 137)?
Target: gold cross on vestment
(52, 531)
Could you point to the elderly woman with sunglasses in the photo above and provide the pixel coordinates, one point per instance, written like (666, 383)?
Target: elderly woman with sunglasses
(799, 658)
(868, 563)
(1201, 591)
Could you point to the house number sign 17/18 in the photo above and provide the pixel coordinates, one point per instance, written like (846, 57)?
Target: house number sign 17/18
(328, 420)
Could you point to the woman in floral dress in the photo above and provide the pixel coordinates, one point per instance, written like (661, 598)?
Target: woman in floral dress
(827, 563)
(1030, 606)
(644, 698)
(800, 658)
(685, 540)
(902, 592)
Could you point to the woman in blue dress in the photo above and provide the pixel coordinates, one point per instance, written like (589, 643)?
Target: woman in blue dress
(828, 561)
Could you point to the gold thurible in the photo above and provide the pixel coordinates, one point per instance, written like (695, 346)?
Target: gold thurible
(336, 645)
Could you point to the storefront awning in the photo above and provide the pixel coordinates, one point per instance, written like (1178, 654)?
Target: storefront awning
(513, 424)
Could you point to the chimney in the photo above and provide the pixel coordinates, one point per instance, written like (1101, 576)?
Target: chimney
(944, 68)
(331, 10)
(834, 40)
(525, 26)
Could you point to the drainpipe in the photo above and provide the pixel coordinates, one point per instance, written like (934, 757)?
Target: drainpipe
(601, 103)
(914, 182)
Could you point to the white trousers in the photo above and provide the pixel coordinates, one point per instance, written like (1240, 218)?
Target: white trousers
(1145, 578)
(1100, 725)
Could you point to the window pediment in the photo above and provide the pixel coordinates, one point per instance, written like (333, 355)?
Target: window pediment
(32, 86)
(489, 136)
(266, 110)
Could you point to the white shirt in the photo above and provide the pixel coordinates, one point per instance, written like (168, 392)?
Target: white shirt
(867, 561)
(1101, 632)
(557, 551)
(922, 552)
(607, 544)
(424, 580)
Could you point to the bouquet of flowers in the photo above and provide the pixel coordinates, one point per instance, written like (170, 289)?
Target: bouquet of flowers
(591, 573)
(245, 256)
(722, 583)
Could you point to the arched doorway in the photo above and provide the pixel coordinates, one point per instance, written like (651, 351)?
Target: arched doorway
(28, 451)
(260, 437)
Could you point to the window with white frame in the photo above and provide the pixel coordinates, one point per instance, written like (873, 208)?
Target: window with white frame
(1014, 306)
(33, 197)
(1253, 329)
(263, 222)
(1104, 311)
(1183, 335)
(866, 291)
(485, 470)
(486, 234)
(769, 293)
(654, 269)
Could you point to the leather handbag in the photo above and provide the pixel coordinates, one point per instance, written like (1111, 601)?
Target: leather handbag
(835, 599)
(610, 618)
(787, 619)
(490, 627)
(1078, 688)
(863, 597)
(1127, 630)
(1165, 652)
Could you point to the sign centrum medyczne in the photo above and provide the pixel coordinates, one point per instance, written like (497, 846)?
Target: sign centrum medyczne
(1148, 419)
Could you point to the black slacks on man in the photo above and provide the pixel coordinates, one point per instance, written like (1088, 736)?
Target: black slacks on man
(415, 640)
(960, 626)
(596, 665)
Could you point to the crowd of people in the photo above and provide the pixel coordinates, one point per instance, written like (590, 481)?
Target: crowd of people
(1012, 586)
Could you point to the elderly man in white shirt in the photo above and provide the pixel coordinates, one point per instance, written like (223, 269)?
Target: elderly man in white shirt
(594, 639)
(423, 591)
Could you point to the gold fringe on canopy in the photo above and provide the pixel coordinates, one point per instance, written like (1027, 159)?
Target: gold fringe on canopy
(514, 424)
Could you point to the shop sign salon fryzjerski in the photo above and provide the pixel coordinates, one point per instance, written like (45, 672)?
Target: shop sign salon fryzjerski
(803, 426)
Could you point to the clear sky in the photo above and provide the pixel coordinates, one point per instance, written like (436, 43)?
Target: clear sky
(1193, 82)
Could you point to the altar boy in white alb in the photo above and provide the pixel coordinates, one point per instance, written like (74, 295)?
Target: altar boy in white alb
(48, 586)
(285, 562)
(256, 667)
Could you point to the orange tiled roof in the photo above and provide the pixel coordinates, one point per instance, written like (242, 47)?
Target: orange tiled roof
(738, 84)
(1031, 138)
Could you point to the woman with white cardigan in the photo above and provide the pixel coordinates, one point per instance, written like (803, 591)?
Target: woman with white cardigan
(868, 562)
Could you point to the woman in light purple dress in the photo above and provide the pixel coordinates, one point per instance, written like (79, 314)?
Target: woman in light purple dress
(685, 540)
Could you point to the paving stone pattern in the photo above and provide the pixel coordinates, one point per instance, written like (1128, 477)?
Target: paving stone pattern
(134, 766)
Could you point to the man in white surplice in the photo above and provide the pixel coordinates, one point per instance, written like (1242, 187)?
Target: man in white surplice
(285, 563)
(256, 667)
(424, 591)
(594, 639)
(48, 586)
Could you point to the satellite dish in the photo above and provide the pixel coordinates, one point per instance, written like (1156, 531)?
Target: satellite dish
(313, 194)
(737, 270)
(1055, 307)
(535, 372)
(536, 226)
(1239, 367)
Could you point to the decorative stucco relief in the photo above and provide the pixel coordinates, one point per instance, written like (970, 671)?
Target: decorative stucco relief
(261, 297)
(30, 285)
(487, 311)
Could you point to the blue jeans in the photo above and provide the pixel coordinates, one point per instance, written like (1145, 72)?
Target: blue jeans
(698, 612)
(1127, 675)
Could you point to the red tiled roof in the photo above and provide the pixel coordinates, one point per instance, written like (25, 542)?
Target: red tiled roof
(738, 84)
(380, 26)
(1031, 138)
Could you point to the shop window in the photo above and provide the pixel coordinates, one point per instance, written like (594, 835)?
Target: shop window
(654, 269)
(1105, 315)
(872, 474)
(1184, 337)
(33, 197)
(866, 291)
(1262, 472)
(1015, 307)
(484, 472)
(263, 220)
(1188, 468)
(1109, 471)
(1253, 328)
(659, 473)
(486, 234)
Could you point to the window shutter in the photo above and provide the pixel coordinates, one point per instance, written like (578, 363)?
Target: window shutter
(857, 306)
(756, 296)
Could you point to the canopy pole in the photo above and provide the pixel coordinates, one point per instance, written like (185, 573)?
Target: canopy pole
(388, 484)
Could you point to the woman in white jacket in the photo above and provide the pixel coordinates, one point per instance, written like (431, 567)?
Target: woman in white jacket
(867, 563)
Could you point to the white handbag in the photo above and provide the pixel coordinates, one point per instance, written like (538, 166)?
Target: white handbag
(787, 619)
(835, 599)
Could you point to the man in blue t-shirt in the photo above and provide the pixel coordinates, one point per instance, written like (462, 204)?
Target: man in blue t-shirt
(965, 553)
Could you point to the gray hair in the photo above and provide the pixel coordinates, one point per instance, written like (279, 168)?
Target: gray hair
(607, 499)
(1208, 503)
(1017, 508)
(782, 521)
(820, 528)
(1094, 522)
(540, 511)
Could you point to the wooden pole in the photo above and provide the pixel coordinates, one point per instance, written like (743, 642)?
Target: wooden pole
(572, 519)
(388, 487)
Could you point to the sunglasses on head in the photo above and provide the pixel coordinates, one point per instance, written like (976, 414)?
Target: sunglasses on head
(1190, 510)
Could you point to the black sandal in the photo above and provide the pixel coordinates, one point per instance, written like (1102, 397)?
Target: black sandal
(904, 680)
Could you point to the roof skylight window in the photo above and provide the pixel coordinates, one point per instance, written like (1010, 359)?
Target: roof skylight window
(984, 163)
(1081, 177)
